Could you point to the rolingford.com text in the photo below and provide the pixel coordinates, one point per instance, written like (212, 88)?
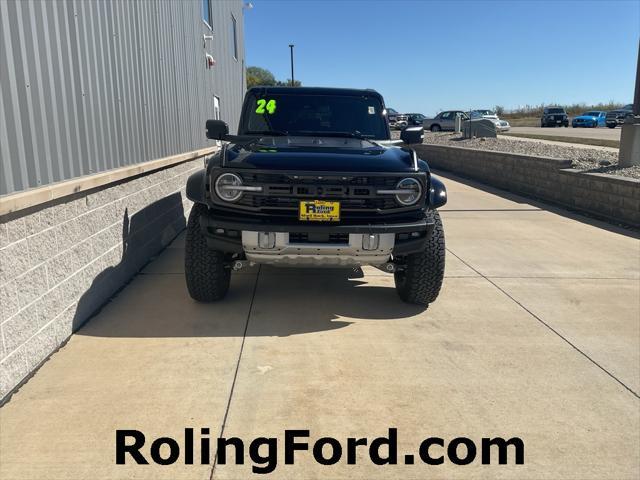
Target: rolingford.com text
(198, 447)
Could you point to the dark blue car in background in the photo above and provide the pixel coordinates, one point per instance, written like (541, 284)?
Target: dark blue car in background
(592, 119)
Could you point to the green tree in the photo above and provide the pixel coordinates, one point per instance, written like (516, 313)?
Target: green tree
(257, 76)
(296, 83)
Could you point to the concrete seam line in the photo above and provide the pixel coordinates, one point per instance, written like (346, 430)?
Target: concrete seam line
(549, 327)
(235, 374)
(33, 197)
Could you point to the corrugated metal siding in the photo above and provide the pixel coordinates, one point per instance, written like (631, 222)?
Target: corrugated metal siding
(90, 85)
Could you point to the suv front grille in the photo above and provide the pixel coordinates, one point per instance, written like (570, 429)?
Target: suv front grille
(356, 193)
(259, 201)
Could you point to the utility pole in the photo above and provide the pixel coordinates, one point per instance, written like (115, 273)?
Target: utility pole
(630, 136)
(636, 98)
(292, 79)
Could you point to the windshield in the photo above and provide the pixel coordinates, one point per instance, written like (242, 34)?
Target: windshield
(591, 114)
(555, 110)
(317, 115)
(485, 112)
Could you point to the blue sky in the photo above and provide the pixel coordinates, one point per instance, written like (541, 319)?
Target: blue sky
(427, 55)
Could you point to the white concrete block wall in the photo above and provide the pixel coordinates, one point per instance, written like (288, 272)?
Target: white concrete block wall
(60, 263)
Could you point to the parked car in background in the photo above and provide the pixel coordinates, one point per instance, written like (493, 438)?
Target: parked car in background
(617, 117)
(415, 118)
(401, 121)
(490, 114)
(554, 117)
(592, 119)
(501, 125)
(444, 120)
(392, 113)
(396, 119)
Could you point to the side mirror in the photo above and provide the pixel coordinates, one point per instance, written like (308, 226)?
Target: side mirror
(412, 135)
(217, 129)
(437, 193)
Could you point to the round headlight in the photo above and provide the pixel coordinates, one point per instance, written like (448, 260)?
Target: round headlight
(224, 187)
(413, 188)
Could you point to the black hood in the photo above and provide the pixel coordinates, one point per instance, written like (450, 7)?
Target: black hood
(373, 158)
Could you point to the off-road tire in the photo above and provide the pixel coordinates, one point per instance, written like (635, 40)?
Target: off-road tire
(420, 281)
(204, 269)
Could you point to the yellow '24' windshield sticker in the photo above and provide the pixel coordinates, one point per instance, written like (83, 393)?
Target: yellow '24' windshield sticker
(269, 106)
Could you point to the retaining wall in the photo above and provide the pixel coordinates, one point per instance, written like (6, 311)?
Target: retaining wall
(62, 260)
(610, 197)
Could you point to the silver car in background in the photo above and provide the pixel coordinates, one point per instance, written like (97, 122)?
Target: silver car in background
(501, 125)
(444, 120)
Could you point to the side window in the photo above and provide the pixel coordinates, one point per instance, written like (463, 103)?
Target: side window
(234, 37)
(445, 115)
(206, 13)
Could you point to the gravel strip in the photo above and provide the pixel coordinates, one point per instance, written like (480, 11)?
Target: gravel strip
(588, 159)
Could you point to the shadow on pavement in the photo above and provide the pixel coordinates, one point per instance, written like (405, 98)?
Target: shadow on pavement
(144, 234)
(284, 304)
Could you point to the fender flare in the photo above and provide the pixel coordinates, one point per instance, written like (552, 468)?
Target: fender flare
(196, 187)
(437, 193)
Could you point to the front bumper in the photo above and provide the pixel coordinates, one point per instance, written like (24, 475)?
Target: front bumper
(234, 236)
(286, 249)
(556, 121)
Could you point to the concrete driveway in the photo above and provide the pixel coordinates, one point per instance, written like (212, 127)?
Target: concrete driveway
(536, 335)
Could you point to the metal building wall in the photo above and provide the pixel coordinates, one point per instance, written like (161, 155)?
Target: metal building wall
(91, 85)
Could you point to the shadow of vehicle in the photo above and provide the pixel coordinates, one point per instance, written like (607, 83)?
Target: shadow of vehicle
(274, 302)
(144, 235)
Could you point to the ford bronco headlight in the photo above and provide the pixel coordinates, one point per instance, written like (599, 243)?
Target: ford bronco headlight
(226, 187)
(413, 189)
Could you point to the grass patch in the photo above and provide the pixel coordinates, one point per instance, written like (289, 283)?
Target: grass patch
(585, 141)
(524, 122)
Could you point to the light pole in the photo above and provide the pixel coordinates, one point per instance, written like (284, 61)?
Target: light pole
(630, 135)
(636, 98)
(292, 79)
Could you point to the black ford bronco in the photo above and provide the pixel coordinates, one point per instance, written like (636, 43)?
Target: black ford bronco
(313, 179)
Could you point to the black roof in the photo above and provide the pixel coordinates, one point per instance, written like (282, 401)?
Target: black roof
(315, 91)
